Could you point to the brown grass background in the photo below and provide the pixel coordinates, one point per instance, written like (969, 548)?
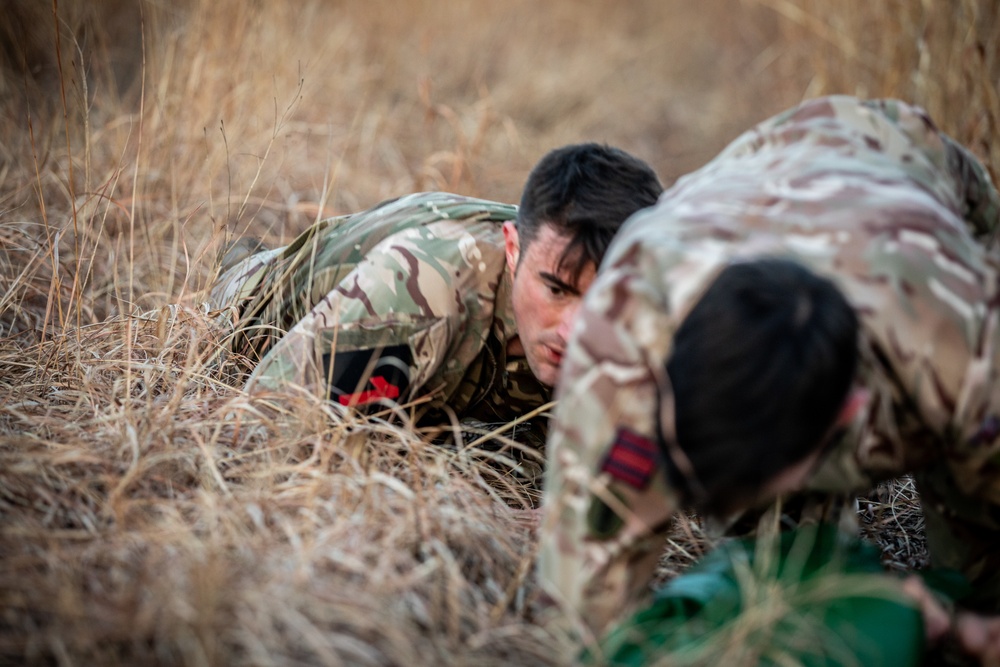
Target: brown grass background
(152, 514)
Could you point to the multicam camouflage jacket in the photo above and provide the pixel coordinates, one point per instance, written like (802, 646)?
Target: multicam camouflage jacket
(903, 220)
(408, 299)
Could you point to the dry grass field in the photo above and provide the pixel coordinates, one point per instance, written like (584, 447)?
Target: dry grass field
(153, 514)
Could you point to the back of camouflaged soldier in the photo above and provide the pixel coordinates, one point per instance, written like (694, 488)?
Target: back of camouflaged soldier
(902, 220)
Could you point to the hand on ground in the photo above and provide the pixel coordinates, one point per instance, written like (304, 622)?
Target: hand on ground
(979, 636)
(936, 620)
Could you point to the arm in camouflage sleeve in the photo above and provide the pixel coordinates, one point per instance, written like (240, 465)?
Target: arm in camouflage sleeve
(607, 505)
(412, 306)
(977, 197)
(982, 203)
(239, 280)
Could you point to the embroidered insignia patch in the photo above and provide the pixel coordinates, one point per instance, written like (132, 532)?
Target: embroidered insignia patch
(632, 459)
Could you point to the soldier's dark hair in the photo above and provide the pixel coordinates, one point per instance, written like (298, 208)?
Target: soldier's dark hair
(760, 368)
(585, 191)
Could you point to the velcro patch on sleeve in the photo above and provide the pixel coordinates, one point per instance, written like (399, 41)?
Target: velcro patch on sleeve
(360, 377)
(632, 458)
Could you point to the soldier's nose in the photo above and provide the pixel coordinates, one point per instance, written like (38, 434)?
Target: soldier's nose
(566, 321)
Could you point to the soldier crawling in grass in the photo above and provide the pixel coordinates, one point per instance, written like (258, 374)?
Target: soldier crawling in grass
(463, 301)
(820, 302)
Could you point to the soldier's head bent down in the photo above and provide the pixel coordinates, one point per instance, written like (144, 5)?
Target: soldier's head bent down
(760, 369)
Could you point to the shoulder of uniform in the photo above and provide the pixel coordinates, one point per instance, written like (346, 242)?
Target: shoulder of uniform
(452, 206)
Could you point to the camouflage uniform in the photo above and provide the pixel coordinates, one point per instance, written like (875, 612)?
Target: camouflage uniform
(868, 194)
(409, 299)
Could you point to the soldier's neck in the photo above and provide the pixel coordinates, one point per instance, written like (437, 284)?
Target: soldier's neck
(514, 347)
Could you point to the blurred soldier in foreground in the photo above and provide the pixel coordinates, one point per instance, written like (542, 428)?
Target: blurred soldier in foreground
(464, 301)
(820, 302)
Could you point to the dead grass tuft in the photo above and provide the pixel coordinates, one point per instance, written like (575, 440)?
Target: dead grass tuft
(154, 515)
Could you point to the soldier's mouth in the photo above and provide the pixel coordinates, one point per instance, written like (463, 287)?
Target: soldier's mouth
(554, 356)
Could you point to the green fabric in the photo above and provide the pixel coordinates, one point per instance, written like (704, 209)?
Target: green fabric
(814, 601)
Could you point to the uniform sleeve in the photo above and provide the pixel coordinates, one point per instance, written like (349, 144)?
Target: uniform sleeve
(606, 504)
(978, 201)
(406, 314)
(237, 283)
(960, 495)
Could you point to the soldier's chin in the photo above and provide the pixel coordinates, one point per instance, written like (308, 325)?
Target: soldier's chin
(546, 373)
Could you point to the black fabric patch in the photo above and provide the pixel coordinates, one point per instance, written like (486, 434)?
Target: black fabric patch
(365, 376)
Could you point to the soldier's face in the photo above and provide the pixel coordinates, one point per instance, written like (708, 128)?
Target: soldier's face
(545, 300)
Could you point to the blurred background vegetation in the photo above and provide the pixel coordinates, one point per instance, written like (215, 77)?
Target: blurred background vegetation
(192, 121)
(148, 514)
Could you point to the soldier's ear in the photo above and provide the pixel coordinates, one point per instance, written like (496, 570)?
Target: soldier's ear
(512, 245)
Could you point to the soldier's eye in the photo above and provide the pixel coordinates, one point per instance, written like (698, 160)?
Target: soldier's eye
(557, 288)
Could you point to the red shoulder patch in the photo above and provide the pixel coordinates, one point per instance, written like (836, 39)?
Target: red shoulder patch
(383, 389)
(632, 458)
